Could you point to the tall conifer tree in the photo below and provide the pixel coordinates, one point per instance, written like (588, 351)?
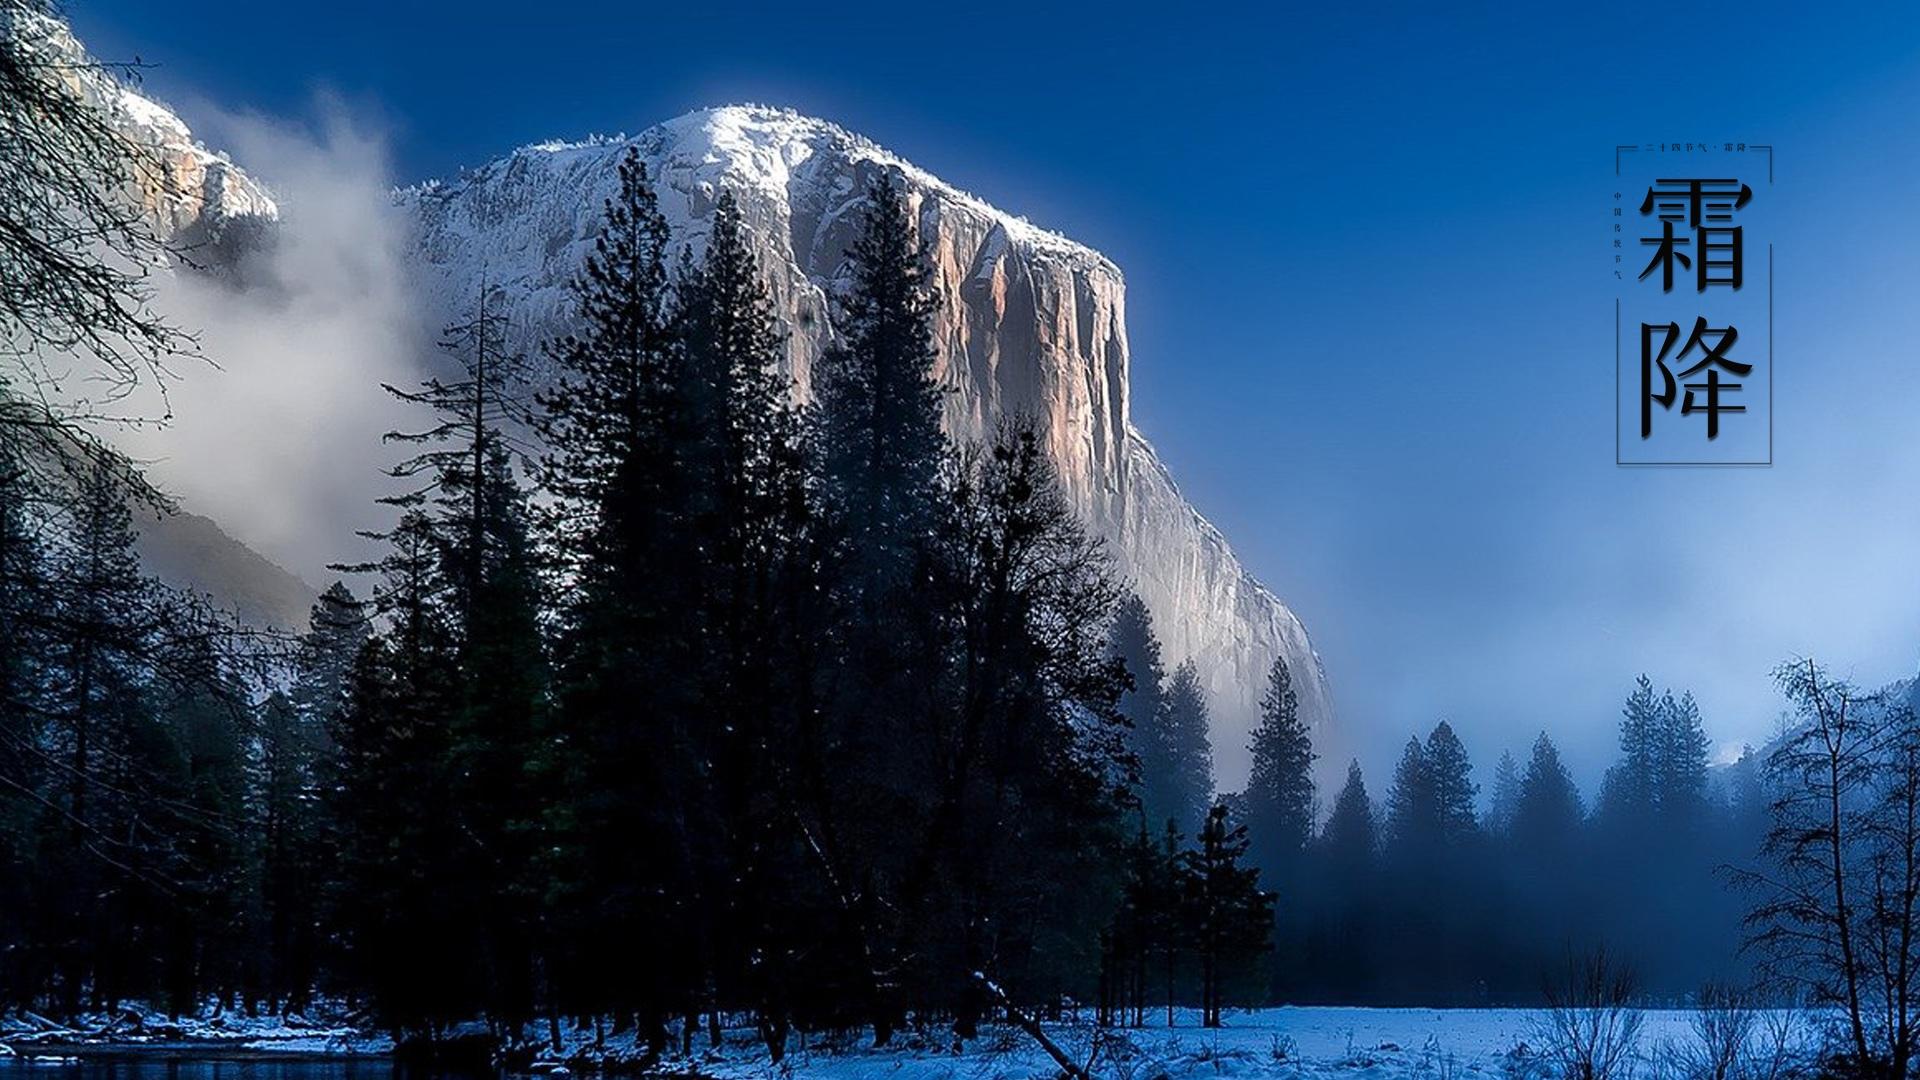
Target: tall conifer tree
(1229, 917)
(1279, 795)
(1188, 747)
(1547, 816)
(879, 404)
(1136, 648)
(630, 662)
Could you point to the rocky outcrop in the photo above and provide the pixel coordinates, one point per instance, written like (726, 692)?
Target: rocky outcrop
(1031, 323)
(192, 194)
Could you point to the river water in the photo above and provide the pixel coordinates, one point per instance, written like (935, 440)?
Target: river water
(187, 1067)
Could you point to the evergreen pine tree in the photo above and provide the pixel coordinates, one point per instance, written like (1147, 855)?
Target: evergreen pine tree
(1187, 745)
(337, 626)
(1229, 918)
(1450, 774)
(102, 625)
(747, 517)
(885, 473)
(1430, 861)
(494, 726)
(630, 657)
(1279, 795)
(191, 766)
(299, 776)
(396, 901)
(498, 729)
(1144, 707)
(1630, 791)
(1411, 802)
(1651, 821)
(1339, 905)
(1506, 795)
(878, 403)
(1547, 817)
(1552, 891)
(460, 468)
(604, 421)
(1349, 838)
(283, 791)
(1748, 800)
(1680, 764)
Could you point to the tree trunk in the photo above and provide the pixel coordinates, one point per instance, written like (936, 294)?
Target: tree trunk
(1031, 1026)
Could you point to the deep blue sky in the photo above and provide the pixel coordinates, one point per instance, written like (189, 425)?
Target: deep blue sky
(1371, 333)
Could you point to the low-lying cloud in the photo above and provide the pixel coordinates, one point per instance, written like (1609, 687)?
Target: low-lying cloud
(280, 440)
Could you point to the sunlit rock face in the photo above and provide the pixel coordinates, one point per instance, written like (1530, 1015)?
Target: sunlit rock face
(192, 194)
(1030, 324)
(196, 195)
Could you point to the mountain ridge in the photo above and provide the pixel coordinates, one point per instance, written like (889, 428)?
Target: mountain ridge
(191, 551)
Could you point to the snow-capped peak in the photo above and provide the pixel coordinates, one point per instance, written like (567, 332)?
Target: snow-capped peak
(761, 149)
(761, 145)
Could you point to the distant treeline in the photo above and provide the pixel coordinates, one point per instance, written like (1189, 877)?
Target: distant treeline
(1421, 900)
(1423, 897)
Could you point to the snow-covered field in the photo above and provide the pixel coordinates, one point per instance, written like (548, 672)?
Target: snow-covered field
(1313, 1043)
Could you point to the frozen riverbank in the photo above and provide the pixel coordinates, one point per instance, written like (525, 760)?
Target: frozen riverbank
(226, 1034)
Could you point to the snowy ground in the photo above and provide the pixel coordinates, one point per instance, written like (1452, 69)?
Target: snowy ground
(1320, 1043)
(1285, 1044)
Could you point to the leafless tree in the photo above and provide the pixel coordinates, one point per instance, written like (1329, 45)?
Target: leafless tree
(78, 252)
(1890, 828)
(1591, 1026)
(1722, 1032)
(1779, 1046)
(1836, 906)
(1742, 1034)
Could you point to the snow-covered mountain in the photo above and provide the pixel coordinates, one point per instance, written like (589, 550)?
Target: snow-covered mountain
(1031, 323)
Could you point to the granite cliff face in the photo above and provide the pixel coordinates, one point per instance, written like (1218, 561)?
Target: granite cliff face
(1030, 323)
(192, 193)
